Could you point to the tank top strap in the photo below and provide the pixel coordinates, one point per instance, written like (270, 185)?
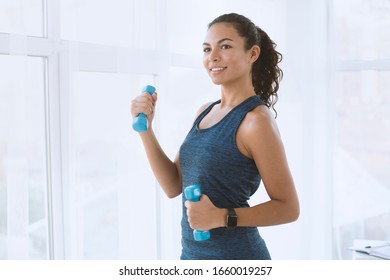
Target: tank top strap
(239, 111)
(242, 109)
(205, 112)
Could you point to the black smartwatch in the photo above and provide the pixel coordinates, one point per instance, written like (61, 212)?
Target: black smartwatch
(231, 219)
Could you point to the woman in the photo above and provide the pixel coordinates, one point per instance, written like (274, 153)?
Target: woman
(233, 144)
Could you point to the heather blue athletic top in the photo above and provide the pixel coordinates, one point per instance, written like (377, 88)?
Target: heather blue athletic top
(210, 157)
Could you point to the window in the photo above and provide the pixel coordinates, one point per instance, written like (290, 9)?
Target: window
(362, 151)
(23, 174)
(110, 191)
(23, 17)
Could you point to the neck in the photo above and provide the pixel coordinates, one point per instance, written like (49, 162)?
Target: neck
(233, 95)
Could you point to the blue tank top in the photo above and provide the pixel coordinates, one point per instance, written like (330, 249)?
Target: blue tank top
(210, 157)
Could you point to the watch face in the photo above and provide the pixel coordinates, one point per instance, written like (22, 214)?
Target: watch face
(231, 219)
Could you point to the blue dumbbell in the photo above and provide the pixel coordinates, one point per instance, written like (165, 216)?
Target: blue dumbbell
(193, 193)
(140, 123)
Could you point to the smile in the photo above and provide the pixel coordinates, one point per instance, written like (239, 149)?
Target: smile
(217, 69)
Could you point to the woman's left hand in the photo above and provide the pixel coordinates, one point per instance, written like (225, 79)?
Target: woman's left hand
(204, 215)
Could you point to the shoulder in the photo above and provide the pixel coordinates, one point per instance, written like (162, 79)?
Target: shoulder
(202, 108)
(258, 130)
(261, 118)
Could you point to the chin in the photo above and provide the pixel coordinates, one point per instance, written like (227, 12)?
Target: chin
(216, 81)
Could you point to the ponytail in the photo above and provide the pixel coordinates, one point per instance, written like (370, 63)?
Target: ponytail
(266, 73)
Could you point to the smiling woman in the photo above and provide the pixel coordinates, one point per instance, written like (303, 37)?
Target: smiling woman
(229, 173)
(227, 51)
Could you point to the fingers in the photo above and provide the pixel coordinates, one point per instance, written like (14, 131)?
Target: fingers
(144, 103)
(188, 204)
(198, 212)
(154, 96)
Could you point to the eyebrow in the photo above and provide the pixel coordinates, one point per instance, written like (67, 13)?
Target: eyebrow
(219, 42)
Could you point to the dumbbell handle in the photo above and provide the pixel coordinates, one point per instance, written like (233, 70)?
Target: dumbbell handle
(193, 193)
(140, 123)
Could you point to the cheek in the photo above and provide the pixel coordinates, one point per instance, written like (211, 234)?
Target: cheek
(242, 63)
(205, 62)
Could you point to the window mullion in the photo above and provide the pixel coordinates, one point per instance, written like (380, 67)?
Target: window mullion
(53, 131)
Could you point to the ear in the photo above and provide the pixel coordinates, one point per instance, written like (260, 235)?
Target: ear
(254, 53)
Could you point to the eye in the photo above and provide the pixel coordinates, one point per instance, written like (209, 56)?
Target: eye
(206, 50)
(225, 47)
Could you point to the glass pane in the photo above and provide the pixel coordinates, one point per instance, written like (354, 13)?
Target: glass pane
(112, 192)
(127, 23)
(362, 28)
(24, 17)
(23, 186)
(362, 158)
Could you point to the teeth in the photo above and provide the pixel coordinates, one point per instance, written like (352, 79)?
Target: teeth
(217, 69)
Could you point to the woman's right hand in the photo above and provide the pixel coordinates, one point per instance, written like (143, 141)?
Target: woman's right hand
(144, 103)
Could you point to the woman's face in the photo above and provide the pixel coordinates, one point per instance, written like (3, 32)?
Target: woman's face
(224, 56)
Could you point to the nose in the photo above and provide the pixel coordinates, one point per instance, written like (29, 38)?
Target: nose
(214, 55)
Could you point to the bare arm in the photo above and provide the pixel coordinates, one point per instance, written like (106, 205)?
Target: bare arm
(261, 141)
(167, 172)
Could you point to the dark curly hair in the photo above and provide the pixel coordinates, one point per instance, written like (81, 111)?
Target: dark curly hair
(266, 74)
